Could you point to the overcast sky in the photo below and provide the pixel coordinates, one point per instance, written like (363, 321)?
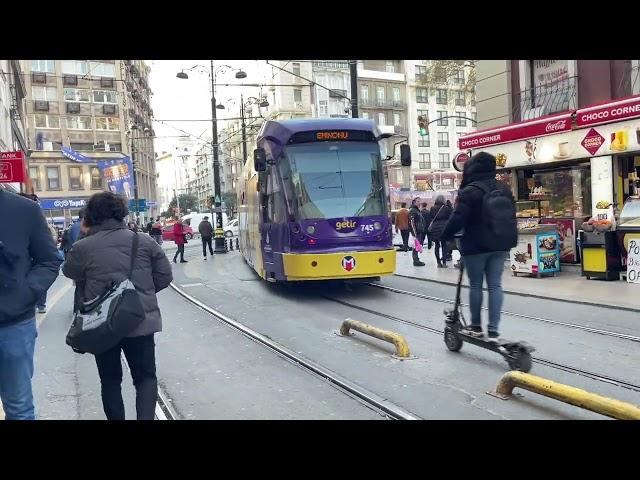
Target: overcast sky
(177, 99)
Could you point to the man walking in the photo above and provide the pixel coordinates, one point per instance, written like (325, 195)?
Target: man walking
(155, 230)
(402, 225)
(29, 264)
(206, 234)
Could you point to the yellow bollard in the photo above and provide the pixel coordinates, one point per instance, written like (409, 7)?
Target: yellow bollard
(567, 394)
(402, 348)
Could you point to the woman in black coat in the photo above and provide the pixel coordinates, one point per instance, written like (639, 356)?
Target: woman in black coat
(440, 214)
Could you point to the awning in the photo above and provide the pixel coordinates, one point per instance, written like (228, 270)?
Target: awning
(609, 112)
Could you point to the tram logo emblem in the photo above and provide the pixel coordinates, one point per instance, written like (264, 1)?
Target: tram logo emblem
(348, 263)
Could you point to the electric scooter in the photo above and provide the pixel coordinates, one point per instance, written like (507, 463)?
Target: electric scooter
(517, 354)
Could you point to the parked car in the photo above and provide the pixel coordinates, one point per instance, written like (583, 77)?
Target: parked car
(231, 229)
(167, 232)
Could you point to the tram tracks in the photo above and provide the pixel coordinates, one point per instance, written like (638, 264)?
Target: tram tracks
(367, 398)
(539, 360)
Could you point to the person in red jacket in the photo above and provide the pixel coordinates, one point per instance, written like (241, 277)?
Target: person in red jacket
(178, 237)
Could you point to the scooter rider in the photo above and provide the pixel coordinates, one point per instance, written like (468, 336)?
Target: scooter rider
(486, 211)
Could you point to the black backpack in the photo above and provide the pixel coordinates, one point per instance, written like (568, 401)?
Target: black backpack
(499, 224)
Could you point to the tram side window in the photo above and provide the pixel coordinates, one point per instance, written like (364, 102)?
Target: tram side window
(275, 202)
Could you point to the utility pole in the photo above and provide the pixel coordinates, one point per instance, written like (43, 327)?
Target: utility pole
(244, 131)
(353, 72)
(219, 232)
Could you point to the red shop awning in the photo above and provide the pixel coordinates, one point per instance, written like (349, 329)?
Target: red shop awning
(609, 112)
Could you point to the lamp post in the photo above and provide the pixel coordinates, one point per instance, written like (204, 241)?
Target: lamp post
(219, 232)
(135, 173)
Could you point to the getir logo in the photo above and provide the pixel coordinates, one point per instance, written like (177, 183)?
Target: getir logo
(332, 135)
(346, 225)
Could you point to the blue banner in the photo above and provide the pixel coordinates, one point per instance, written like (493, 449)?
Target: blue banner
(118, 173)
(71, 154)
(62, 203)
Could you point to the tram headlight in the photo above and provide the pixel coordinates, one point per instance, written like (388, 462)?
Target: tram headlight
(377, 226)
(311, 229)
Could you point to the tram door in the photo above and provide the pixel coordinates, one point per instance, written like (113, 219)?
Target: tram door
(266, 216)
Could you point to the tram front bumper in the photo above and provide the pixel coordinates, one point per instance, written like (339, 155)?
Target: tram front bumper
(336, 266)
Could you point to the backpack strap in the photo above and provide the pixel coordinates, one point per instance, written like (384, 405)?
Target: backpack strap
(480, 186)
(134, 253)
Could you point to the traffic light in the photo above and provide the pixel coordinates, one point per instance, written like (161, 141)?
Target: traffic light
(422, 124)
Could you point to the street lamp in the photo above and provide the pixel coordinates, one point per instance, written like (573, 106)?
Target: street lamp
(219, 232)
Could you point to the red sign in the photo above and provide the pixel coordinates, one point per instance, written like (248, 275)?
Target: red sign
(517, 131)
(459, 160)
(609, 112)
(593, 141)
(12, 167)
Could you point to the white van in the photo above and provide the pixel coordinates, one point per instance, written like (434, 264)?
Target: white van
(194, 219)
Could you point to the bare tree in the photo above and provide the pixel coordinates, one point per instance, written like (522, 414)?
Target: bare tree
(443, 74)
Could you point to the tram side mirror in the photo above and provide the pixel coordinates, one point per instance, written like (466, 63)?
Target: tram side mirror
(405, 155)
(260, 160)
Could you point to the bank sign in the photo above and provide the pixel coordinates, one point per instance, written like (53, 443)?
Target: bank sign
(62, 203)
(12, 167)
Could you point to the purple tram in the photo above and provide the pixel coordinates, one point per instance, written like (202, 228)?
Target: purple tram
(313, 204)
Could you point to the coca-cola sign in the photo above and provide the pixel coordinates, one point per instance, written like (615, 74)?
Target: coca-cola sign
(593, 141)
(517, 131)
(609, 112)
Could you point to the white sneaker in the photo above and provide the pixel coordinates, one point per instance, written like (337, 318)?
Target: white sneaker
(205, 258)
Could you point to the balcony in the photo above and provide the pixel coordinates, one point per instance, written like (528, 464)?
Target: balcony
(382, 103)
(337, 93)
(546, 99)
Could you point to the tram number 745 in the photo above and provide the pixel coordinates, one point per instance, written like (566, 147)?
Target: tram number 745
(367, 228)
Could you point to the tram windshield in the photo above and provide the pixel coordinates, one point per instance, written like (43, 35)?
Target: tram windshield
(334, 179)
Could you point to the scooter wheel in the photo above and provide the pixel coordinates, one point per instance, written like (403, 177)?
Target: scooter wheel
(520, 360)
(452, 340)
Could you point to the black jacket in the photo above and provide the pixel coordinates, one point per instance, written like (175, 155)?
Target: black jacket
(468, 212)
(439, 214)
(426, 218)
(29, 261)
(205, 229)
(415, 220)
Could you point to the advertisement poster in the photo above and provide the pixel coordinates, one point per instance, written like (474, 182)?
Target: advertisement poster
(548, 258)
(522, 257)
(567, 232)
(118, 174)
(633, 261)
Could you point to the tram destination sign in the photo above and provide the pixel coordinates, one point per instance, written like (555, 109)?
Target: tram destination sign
(333, 136)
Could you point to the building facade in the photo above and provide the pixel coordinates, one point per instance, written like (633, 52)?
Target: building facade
(289, 95)
(98, 108)
(331, 93)
(12, 112)
(566, 135)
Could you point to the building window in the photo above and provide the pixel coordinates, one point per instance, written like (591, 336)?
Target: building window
(441, 96)
(53, 178)
(380, 95)
(96, 181)
(442, 121)
(105, 96)
(443, 160)
(460, 100)
(77, 122)
(459, 78)
(46, 121)
(34, 174)
(461, 122)
(297, 95)
(424, 162)
(424, 113)
(45, 93)
(107, 123)
(396, 96)
(422, 95)
(424, 141)
(440, 75)
(46, 66)
(390, 67)
(74, 67)
(364, 94)
(296, 68)
(474, 117)
(396, 119)
(76, 95)
(421, 71)
(75, 178)
(82, 146)
(100, 69)
(324, 109)
(443, 139)
(365, 115)
(382, 119)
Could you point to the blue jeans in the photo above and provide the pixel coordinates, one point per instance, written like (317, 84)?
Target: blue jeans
(478, 266)
(17, 344)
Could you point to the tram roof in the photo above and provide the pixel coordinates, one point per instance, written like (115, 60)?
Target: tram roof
(283, 130)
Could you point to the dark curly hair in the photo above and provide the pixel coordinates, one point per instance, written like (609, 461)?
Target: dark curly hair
(105, 206)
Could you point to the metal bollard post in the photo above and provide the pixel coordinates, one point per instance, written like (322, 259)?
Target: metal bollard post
(231, 244)
(237, 244)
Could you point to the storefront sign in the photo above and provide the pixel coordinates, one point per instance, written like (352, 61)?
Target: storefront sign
(12, 167)
(459, 160)
(633, 261)
(609, 112)
(62, 203)
(517, 131)
(592, 141)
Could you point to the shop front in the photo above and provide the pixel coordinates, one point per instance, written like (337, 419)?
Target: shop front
(561, 168)
(62, 212)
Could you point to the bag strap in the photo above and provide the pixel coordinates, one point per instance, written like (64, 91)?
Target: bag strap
(480, 186)
(134, 254)
(435, 218)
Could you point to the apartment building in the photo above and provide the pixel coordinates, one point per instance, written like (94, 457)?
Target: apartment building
(12, 112)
